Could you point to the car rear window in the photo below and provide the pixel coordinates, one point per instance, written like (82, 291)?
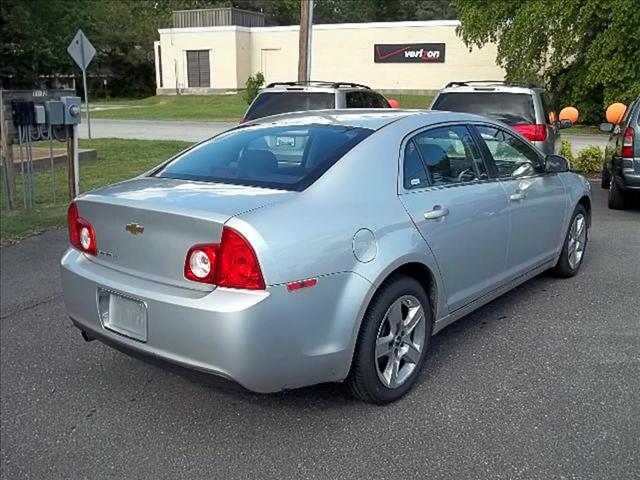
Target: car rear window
(510, 108)
(274, 103)
(282, 157)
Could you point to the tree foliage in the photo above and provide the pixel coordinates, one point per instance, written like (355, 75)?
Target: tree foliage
(34, 34)
(584, 51)
(253, 85)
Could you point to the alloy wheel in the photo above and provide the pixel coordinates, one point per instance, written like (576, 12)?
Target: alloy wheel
(400, 341)
(577, 240)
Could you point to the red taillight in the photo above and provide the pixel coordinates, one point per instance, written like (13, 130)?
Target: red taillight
(81, 234)
(237, 265)
(232, 263)
(627, 144)
(533, 133)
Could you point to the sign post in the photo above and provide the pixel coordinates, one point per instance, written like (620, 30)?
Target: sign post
(82, 52)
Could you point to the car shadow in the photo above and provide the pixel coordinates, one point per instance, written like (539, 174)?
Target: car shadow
(330, 395)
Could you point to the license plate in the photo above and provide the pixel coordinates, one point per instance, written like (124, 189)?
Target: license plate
(123, 315)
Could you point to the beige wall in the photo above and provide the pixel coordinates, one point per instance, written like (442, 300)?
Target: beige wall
(340, 52)
(222, 48)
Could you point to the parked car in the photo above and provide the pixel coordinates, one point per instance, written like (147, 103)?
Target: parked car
(523, 106)
(286, 97)
(321, 246)
(621, 166)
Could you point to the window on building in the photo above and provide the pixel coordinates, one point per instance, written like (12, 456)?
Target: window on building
(198, 68)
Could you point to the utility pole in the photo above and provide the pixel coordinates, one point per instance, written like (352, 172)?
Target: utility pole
(304, 52)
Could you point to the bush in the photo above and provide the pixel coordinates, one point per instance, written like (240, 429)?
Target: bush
(253, 85)
(589, 160)
(565, 151)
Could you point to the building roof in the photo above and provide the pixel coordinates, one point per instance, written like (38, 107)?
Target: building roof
(329, 26)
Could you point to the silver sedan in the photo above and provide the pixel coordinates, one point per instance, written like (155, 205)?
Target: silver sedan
(320, 247)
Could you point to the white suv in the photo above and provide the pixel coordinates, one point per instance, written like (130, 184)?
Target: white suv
(522, 106)
(285, 97)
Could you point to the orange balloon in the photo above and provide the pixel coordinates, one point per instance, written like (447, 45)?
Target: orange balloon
(569, 113)
(615, 112)
(393, 103)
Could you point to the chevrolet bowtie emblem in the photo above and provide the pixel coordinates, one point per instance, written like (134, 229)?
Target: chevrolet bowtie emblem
(134, 228)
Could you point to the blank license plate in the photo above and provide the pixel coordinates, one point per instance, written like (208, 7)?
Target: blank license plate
(123, 315)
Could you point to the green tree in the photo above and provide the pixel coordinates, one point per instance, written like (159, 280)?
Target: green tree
(287, 12)
(339, 11)
(584, 51)
(34, 36)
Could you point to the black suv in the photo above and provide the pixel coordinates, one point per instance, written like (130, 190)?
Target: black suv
(284, 97)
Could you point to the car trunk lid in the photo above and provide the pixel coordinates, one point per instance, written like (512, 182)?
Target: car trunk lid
(145, 226)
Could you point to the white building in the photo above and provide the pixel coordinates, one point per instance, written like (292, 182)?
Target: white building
(395, 56)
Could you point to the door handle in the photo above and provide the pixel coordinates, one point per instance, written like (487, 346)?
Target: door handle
(436, 213)
(516, 197)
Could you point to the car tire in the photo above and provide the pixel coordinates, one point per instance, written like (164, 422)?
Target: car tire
(606, 177)
(616, 196)
(371, 376)
(567, 265)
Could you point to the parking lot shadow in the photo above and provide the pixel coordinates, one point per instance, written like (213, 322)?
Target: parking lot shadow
(453, 337)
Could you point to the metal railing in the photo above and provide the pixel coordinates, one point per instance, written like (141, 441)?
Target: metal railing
(217, 17)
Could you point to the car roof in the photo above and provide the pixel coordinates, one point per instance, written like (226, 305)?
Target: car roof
(489, 89)
(312, 86)
(371, 118)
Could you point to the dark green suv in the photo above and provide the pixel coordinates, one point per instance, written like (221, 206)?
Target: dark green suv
(621, 166)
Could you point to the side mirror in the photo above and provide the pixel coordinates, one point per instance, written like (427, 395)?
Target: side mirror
(393, 103)
(556, 164)
(606, 127)
(565, 123)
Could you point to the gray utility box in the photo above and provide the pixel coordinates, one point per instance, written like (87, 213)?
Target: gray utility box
(71, 110)
(55, 112)
(38, 111)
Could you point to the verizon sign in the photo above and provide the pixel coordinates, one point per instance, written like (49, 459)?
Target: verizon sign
(408, 53)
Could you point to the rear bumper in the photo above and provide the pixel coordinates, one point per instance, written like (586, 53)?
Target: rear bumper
(266, 341)
(627, 173)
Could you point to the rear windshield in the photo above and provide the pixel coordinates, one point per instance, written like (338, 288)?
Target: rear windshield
(510, 108)
(283, 157)
(272, 103)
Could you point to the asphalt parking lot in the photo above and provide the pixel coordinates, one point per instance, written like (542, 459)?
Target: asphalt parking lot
(199, 131)
(541, 383)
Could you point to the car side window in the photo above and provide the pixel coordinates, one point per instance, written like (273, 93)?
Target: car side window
(383, 103)
(549, 113)
(376, 100)
(369, 100)
(450, 155)
(627, 114)
(355, 100)
(513, 158)
(414, 173)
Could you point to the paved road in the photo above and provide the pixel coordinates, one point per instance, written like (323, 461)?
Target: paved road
(578, 142)
(197, 131)
(154, 129)
(542, 383)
